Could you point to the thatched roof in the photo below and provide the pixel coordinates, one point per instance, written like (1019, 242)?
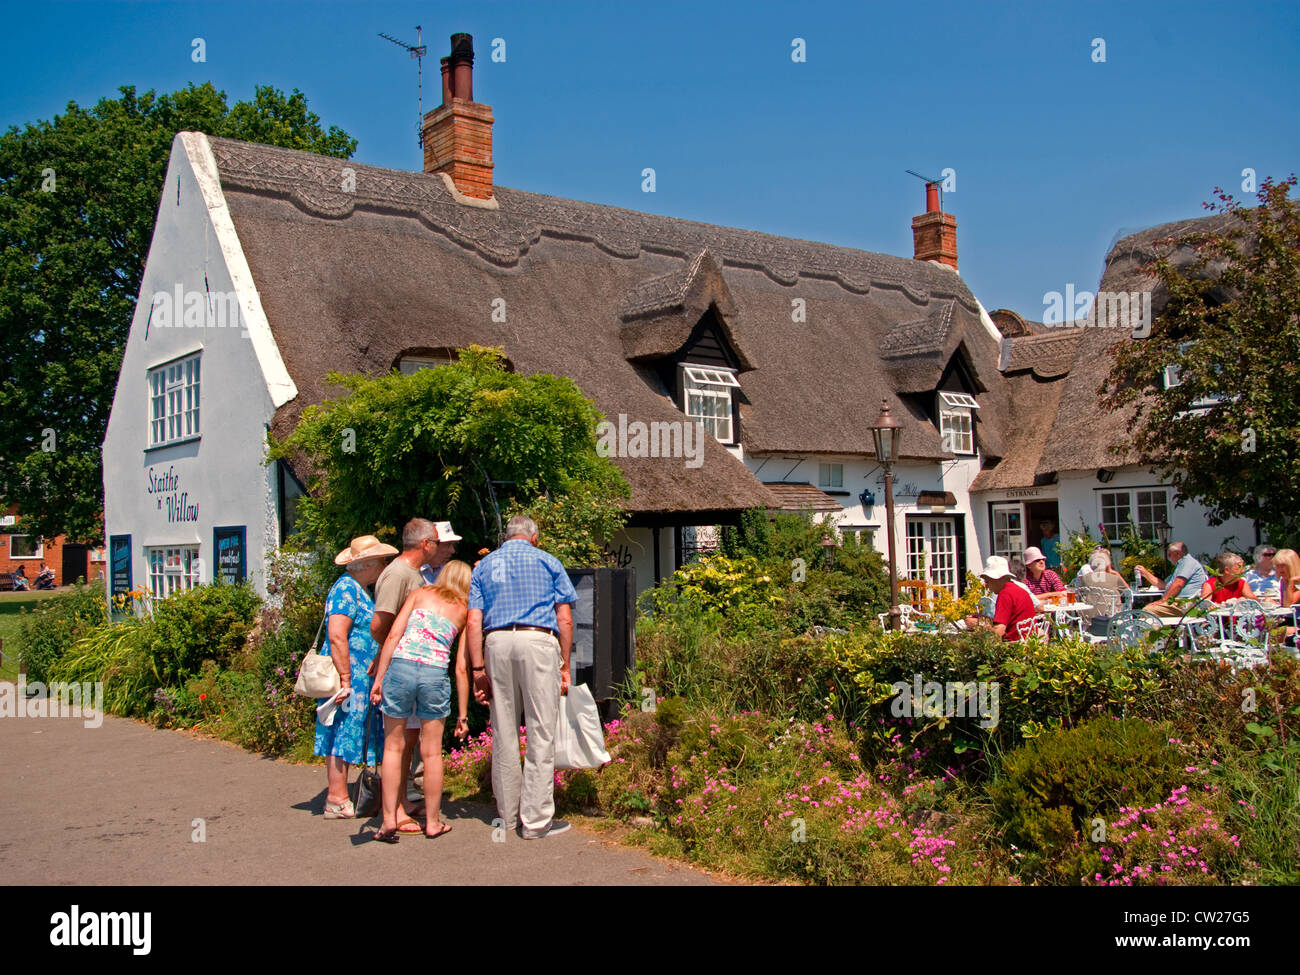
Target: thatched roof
(352, 280)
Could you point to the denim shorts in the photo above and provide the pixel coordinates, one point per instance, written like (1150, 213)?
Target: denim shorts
(419, 690)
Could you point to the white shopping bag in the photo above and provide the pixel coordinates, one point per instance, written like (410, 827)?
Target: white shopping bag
(579, 741)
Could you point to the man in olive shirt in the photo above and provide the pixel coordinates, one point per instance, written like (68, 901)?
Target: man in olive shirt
(400, 578)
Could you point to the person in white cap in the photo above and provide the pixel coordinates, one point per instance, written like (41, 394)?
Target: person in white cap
(447, 539)
(1015, 603)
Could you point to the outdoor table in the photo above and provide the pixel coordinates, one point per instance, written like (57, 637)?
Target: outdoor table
(1062, 613)
(1147, 595)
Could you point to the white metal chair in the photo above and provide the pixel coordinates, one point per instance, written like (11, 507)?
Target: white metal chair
(1130, 629)
(1032, 626)
(908, 617)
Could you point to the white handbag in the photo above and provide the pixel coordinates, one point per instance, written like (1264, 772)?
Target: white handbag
(579, 740)
(317, 677)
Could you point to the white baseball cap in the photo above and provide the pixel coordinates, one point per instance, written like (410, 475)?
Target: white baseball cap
(445, 532)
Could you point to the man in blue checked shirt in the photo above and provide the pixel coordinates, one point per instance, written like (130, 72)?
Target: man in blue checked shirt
(521, 603)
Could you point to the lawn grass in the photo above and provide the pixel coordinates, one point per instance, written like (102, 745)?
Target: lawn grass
(11, 604)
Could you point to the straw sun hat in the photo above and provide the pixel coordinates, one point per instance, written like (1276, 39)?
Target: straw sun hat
(364, 547)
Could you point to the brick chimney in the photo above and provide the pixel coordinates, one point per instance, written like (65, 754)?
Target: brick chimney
(934, 233)
(458, 134)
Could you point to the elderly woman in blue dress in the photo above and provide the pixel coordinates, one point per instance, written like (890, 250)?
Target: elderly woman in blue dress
(348, 608)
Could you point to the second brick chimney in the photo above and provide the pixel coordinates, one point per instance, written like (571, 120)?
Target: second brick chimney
(458, 134)
(934, 233)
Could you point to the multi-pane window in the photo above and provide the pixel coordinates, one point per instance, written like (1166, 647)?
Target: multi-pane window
(1146, 508)
(956, 425)
(174, 401)
(932, 551)
(172, 569)
(1008, 531)
(830, 475)
(708, 398)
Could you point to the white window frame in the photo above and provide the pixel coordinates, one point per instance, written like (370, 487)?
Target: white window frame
(40, 548)
(930, 545)
(1114, 528)
(409, 365)
(702, 384)
(172, 568)
(830, 475)
(174, 391)
(957, 422)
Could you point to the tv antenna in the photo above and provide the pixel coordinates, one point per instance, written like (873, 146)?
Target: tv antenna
(417, 51)
(927, 180)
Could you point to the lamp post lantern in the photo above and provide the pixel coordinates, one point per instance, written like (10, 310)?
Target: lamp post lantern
(1163, 531)
(887, 434)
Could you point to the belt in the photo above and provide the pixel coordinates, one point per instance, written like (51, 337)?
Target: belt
(521, 626)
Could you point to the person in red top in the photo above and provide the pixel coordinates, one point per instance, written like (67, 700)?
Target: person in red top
(1231, 583)
(1015, 603)
(1038, 577)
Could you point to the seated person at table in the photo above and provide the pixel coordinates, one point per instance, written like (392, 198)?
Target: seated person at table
(1100, 573)
(1287, 563)
(1184, 582)
(1262, 578)
(1230, 583)
(1038, 577)
(1014, 602)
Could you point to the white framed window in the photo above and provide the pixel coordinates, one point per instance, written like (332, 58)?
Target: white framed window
(830, 475)
(174, 401)
(172, 569)
(1144, 507)
(932, 551)
(956, 423)
(707, 393)
(26, 547)
(411, 364)
(1008, 531)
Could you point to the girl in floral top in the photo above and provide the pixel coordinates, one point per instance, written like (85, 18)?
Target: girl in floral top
(411, 678)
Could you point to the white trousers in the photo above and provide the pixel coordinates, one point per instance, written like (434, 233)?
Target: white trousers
(524, 666)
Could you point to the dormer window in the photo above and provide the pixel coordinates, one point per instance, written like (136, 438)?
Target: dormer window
(1173, 378)
(707, 394)
(956, 421)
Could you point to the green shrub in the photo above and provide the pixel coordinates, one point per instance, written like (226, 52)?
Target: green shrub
(205, 623)
(1052, 788)
(53, 625)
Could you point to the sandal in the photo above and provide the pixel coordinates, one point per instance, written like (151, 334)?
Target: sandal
(443, 830)
(340, 810)
(386, 835)
(409, 826)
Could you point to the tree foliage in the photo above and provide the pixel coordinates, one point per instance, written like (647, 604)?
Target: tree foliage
(469, 442)
(78, 199)
(1231, 328)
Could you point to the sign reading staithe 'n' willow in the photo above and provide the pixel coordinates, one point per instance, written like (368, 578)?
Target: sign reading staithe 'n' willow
(1214, 390)
(469, 442)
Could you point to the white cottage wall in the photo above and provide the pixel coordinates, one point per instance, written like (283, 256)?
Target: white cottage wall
(177, 493)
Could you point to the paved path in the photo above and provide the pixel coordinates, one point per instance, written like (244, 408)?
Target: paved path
(115, 805)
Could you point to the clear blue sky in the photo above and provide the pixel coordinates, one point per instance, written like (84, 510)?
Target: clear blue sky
(1054, 153)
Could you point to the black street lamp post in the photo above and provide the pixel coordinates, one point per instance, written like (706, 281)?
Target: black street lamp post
(887, 433)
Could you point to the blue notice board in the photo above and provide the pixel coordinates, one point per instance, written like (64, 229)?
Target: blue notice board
(230, 553)
(119, 561)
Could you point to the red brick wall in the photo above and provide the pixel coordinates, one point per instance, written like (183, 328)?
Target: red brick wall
(52, 556)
